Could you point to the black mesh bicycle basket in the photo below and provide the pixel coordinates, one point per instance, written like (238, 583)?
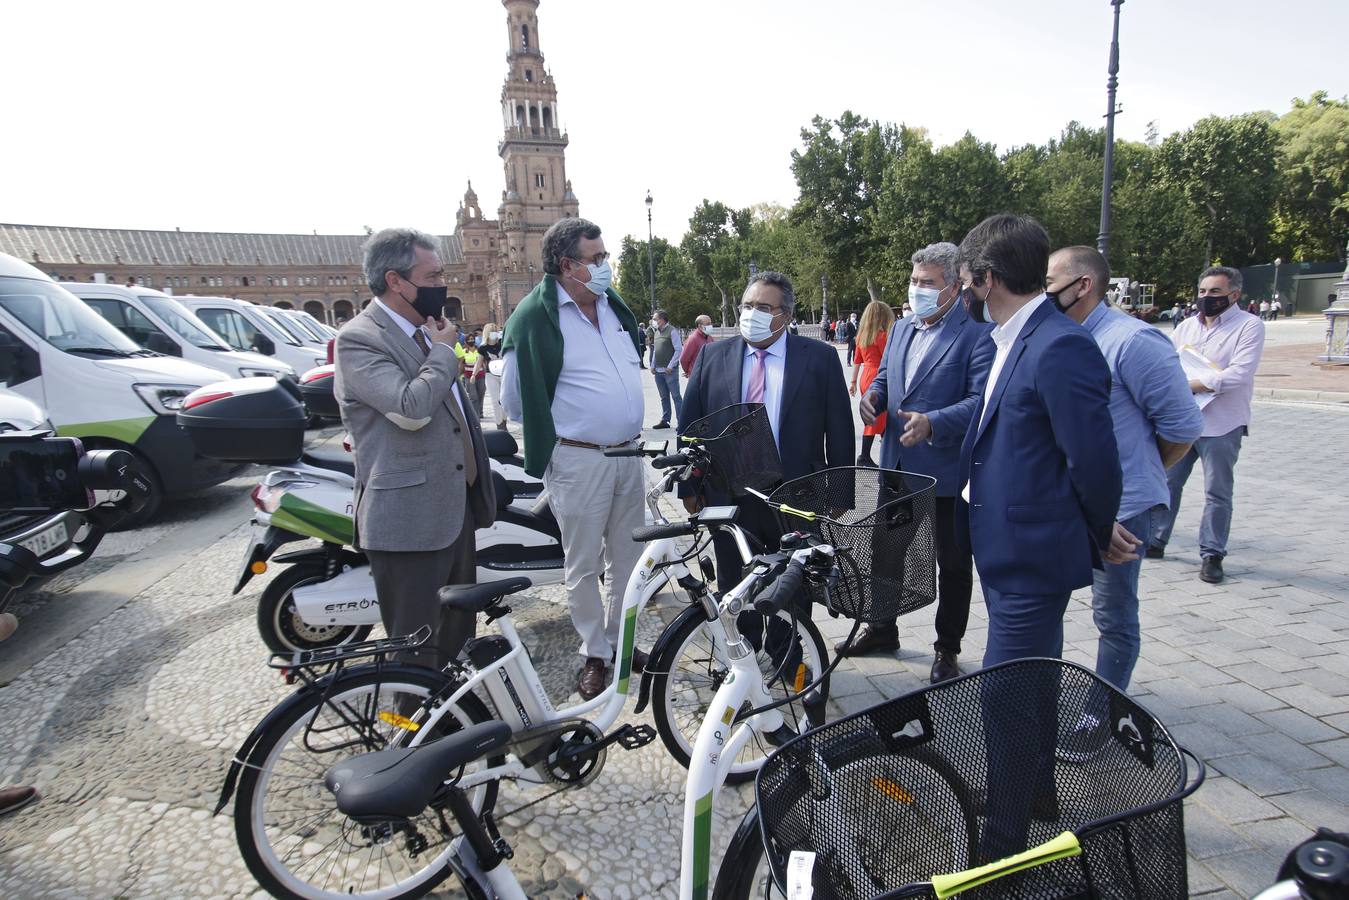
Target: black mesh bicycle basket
(985, 786)
(739, 439)
(881, 525)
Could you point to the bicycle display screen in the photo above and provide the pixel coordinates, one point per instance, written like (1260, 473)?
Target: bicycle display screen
(41, 475)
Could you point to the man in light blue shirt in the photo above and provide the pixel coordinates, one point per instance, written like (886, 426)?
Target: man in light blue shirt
(1156, 420)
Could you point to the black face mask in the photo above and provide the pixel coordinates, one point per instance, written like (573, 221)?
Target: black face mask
(430, 301)
(1214, 306)
(1054, 295)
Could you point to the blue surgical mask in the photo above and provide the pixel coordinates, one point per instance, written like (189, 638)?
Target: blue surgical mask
(925, 301)
(601, 276)
(756, 325)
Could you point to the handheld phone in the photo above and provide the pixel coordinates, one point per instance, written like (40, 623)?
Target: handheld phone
(42, 475)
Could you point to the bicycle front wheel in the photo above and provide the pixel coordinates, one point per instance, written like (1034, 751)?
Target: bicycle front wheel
(289, 830)
(693, 665)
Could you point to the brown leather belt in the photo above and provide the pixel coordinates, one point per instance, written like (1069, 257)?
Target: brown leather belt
(589, 446)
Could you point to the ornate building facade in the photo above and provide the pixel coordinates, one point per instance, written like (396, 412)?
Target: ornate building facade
(490, 263)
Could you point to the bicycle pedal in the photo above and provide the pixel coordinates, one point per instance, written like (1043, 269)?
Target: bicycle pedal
(631, 737)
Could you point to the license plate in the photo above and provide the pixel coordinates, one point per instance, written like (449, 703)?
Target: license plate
(47, 540)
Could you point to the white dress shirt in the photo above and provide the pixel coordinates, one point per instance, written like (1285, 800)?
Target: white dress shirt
(598, 398)
(775, 368)
(408, 329)
(1004, 336)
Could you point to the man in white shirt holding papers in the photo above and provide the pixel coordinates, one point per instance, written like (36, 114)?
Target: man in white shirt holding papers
(1220, 349)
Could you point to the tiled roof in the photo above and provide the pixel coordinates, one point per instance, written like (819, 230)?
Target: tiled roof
(57, 244)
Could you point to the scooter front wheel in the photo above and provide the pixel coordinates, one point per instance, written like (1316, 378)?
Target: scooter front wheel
(282, 629)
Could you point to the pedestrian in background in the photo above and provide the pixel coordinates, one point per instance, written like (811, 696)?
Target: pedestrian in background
(1275, 307)
(1155, 418)
(847, 331)
(930, 381)
(490, 350)
(1264, 310)
(423, 486)
(666, 347)
(702, 335)
(872, 333)
(1230, 340)
(573, 379)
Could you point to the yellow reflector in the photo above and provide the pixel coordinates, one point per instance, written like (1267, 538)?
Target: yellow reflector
(891, 790)
(799, 684)
(397, 721)
(258, 567)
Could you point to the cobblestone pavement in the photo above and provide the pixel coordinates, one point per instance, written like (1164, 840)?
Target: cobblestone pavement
(128, 728)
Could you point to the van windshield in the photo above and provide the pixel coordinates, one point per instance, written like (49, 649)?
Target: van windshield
(311, 325)
(62, 320)
(284, 322)
(184, 323)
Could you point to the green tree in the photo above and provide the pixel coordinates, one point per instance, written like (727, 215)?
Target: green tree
(712, 246)
(838, 174)
(1311, 219)
(1228, 171)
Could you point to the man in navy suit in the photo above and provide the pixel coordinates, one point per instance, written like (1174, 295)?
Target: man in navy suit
(799, 381)
(1042, 484)
(932, 376)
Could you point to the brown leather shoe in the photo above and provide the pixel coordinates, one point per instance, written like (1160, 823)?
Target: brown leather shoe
(13, 799)
(594, 677)
(871, 639)
(944, 666)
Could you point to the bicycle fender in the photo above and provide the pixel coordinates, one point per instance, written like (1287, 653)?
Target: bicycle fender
(658, 649)
(320, 555)
(282, 709)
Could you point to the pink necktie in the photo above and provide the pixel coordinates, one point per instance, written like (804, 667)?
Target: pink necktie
(756, 378)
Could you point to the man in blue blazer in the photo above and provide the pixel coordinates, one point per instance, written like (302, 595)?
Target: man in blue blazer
(800, 382)
(1042, 484)
(931, 378)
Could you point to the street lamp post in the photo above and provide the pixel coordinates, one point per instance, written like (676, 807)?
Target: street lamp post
(1274, 291)
(650, 257)
(824, 293)
(1103, 239)
(531, 276)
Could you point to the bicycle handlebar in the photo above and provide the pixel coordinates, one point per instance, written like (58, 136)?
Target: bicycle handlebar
(622, 451)
(785, 588)
(669, 462)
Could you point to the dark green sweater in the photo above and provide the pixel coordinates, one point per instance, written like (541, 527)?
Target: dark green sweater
(535, 337)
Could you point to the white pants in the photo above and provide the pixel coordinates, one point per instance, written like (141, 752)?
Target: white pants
(494, 391)
(598, 502)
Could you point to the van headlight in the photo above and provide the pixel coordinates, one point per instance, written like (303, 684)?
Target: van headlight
(164, 399)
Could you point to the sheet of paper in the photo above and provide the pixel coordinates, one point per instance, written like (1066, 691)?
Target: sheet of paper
(1195, 365)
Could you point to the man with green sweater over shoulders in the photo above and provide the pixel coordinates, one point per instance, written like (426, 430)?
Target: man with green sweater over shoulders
(572, 378)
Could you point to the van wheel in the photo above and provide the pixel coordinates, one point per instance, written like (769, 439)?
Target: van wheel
(152, 503)
(282, 629)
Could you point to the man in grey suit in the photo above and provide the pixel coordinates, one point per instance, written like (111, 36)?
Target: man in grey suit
(423, 483)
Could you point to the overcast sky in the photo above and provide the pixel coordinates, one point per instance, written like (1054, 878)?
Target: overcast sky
(292, 116)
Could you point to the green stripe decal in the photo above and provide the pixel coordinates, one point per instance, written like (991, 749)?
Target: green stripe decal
(702, 844)
(128, 431)
(303, 517)
(629, 633)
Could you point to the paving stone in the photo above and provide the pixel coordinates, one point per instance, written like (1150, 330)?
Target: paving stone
(1246, 698)
(1260, 775)
(1261, 676)
(1208, 836)
(1314, 810)
(1226, 798)
(1246, 872)
(1298, 725)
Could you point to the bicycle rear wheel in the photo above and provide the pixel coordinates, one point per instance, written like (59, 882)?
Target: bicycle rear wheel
(692, 667)
(290, 833)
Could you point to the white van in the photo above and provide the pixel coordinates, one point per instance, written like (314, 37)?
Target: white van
(241, 324)
(157, 321)
(96, 384)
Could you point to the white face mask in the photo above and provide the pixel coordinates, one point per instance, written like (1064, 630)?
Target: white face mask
(925, 301)
(707, 330)
(496, 335)
(601, 276)
(755, 325)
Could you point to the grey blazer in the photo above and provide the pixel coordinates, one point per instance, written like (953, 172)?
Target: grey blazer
(410, 491)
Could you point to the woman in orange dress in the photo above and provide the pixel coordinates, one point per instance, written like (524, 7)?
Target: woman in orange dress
(872, 333)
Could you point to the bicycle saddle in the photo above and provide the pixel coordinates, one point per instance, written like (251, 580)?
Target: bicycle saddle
(332, 460)
(397, 784)
(475, 598)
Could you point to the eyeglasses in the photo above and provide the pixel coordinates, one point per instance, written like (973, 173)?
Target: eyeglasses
(597, 259)
(761, 307)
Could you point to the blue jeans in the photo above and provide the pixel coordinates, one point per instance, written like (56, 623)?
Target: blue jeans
(1220, 461)
(667, 384)
(1114, 606)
